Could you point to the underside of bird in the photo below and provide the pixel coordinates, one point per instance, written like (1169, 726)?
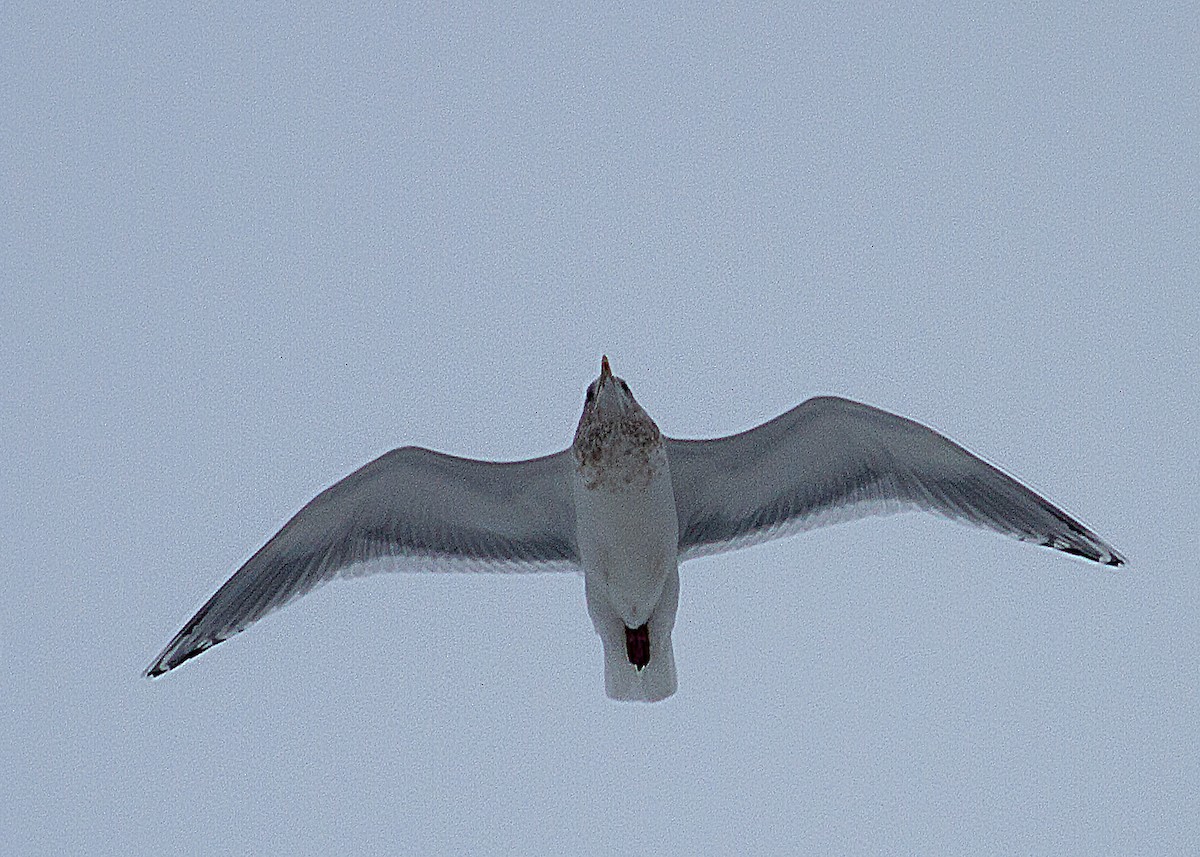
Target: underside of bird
(639, 662)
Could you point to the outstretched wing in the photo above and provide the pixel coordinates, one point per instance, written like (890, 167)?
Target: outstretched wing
(830, 459)
(418, 508)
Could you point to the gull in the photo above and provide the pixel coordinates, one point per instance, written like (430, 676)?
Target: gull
(626, 505)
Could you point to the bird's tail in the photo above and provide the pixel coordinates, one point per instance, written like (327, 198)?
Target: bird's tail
(652, 683)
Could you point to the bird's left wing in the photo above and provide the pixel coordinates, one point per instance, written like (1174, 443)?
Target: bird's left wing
(413, 507)
(830, 459)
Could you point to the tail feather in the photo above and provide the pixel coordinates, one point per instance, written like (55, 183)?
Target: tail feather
(652, 683)
(639, 662)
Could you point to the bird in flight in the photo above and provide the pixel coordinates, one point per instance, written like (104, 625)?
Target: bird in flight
(625, 505)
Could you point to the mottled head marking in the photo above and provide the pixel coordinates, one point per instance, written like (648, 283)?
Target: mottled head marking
(617, 445)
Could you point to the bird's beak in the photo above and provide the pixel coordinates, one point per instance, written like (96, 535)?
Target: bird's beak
(605, 371)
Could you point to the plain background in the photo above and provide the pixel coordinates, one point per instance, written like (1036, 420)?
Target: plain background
(246, 248)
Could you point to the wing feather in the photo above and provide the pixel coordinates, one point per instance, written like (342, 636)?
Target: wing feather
(831, 459)
(418, 509)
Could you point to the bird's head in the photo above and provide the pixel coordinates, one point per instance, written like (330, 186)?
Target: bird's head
(613, 425)
(608, 397)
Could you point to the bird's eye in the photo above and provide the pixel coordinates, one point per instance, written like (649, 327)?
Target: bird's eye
(591, 393)
(624, 386)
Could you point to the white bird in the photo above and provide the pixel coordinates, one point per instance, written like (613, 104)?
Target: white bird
(625, 505)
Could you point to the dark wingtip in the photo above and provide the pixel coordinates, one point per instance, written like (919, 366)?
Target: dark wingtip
(161, 666)
(1096, 549)
(1111, 558)
(171, 658)
(1108, 557)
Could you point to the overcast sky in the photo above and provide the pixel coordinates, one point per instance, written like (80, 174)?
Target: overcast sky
(243, 250)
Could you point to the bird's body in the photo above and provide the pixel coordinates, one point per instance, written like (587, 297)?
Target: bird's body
(628, 536)
(625, 505)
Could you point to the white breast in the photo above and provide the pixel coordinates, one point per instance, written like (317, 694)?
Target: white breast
(628, 535)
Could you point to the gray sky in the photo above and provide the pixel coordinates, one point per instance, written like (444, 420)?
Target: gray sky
(244, 250)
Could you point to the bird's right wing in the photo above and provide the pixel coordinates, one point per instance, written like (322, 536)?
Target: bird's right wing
(830, 459)
(416, 508)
